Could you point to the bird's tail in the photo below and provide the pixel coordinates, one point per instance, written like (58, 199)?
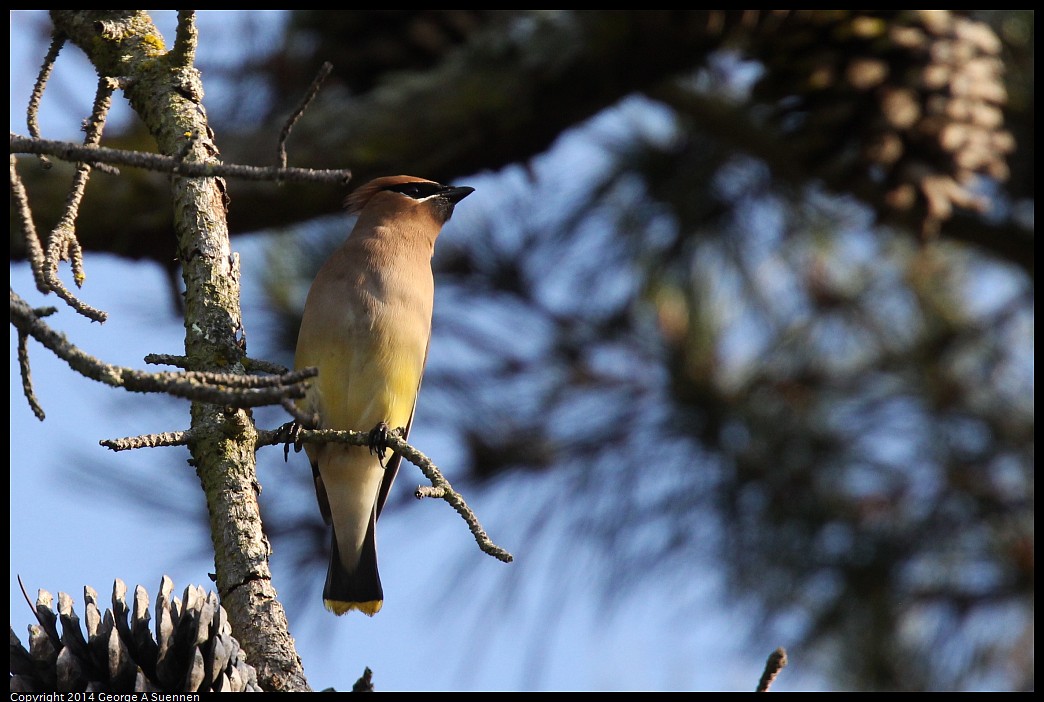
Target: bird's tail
(358, 588)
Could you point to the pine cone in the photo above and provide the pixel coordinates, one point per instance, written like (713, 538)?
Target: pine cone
(908, 99)
(193, 649)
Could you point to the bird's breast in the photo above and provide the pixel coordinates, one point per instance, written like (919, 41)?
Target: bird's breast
(369, 340)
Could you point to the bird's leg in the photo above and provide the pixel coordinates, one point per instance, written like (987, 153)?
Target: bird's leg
(379, 441)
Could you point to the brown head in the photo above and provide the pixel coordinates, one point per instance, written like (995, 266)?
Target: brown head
(397, 195)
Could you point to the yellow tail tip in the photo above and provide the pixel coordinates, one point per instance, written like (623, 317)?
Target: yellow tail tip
(368, 608)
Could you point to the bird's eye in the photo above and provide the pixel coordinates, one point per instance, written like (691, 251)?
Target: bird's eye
(417, 191)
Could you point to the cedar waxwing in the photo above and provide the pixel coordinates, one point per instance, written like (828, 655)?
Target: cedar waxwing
(366, 326)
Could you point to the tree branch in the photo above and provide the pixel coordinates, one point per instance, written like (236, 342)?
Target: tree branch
(777, 660)
(164, 89)
(20, 209)
(170, 164)
(33, 111)
(313, 90)
(167, 438)
(228, 389)
(440, 487)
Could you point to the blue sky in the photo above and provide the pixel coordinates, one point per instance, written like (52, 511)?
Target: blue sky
(65, 536)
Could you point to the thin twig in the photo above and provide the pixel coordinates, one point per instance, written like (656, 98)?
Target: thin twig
(167, 438)
(303, 420)
(166, 359)
(56, 286)
(27, 379)
(441, 487)
(24, 370)
(63, 245)
(248, 382)
(168, 164)
(94, 125)
(454, 498)
(33, 111)
(250, 365)
(777, 660)
(215, 388)
(186, 37)
(25, 594)
(313, 90)
(273, 437)
(257, 365)
(33, 248)
(285, 377)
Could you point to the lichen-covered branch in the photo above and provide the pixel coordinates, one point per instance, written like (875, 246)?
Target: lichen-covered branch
(228, 389)
(33, 111)
(63, 244)
(20, 209)
(67, 151)
(27, 379)
(185, 39)
(167, 438)
(440, 487)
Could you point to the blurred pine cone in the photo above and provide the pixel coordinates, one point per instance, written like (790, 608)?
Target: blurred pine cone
(909, 99)
(192, 651)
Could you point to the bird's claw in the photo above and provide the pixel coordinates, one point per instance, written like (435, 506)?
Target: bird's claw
(379, 441)
(290, 433)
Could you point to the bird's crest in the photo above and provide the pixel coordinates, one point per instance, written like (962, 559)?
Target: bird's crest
(358, 199)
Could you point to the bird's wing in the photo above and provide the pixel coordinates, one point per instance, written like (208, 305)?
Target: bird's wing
(392, 468)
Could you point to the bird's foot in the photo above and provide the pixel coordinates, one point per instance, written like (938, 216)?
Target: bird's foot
(379, 441)
(290, 434)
